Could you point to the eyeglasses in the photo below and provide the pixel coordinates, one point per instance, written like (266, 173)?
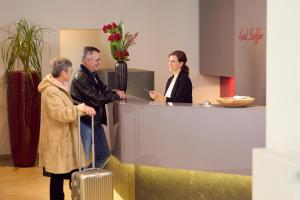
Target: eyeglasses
(68, 70)
(97, 60)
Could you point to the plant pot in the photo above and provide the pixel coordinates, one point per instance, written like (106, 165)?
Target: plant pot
(24, 105)
(121, 75)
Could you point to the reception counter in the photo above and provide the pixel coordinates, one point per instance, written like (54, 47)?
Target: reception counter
(186, 136)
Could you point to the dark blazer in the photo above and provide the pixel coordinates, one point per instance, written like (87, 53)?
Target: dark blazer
(87, 88)
(182, 90)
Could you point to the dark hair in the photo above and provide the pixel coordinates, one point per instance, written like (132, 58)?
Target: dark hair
(58, 65)
(88, 50)
(181, 57)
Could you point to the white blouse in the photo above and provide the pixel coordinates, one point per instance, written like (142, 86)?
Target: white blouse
(171, 86)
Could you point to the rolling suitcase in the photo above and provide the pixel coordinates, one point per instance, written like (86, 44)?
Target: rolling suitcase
(92, 183)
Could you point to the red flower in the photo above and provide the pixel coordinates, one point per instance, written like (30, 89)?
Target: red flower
(104, 29)
(126, 53)
(109, 26)
(110, 38)
(118, 53)
(117, 36)
(119, 41)
(114, 25)
(114, 37)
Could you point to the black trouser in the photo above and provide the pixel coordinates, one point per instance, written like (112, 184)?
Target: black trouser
(57, 185)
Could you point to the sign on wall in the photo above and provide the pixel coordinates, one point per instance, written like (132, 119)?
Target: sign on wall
(254, 34)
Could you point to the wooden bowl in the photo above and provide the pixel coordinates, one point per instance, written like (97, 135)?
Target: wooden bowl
(234, 102)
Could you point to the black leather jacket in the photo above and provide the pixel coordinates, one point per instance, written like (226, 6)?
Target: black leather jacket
(87, 88)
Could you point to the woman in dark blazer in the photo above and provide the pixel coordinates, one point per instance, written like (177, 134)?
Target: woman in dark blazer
(179, 86)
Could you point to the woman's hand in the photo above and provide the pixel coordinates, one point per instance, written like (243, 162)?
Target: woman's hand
(157, 96)
(89, 110)
(153, 94)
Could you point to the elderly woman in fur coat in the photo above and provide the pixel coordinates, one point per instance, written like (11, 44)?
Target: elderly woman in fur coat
(58, 147)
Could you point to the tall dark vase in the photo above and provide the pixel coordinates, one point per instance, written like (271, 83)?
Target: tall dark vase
(23, 102)
(121, 75)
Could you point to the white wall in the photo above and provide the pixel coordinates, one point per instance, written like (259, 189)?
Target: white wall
(164, 26)
(276, 169)
(4, 137)
(283, 69)
(72, 42)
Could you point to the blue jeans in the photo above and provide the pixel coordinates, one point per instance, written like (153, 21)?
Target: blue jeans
(102, 151)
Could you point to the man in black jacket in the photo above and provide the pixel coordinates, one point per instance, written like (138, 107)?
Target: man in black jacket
(87, 88)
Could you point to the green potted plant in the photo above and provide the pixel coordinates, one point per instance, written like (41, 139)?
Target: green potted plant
(22, 59)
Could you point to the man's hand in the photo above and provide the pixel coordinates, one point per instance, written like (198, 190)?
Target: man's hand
(121, 94)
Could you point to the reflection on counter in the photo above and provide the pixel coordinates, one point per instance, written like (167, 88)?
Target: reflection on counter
(136, 182)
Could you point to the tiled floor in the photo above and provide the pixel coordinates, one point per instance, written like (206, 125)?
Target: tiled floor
(27, 183)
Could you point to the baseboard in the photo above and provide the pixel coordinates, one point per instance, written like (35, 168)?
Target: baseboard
(5, 156)
(6, 160)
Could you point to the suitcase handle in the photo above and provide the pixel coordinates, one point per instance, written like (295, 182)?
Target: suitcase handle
(79, 140)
